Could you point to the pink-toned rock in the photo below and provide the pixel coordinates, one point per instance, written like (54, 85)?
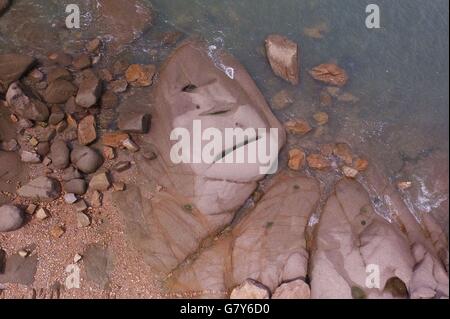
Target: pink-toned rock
(140, 75)
(296, 289)
(330, 74)
(283, 56)
(89, 92)
(87, 130)
(250, 289)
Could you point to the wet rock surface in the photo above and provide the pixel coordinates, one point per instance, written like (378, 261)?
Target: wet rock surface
(12, 66)
(283, 56)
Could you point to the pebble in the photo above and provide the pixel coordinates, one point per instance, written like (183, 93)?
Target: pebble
(119, 186)
(321, 118)
(23, 253)
(89, 92)
(318, 161)
(80, 206)
(77, 258)
(283, 55)
(70, 198)
(30, 157)
(96, 199)
(86, 159)
(130, 145)
(350, 172)
(31, 209)
(42, 213)
(87, 130)
(100, 182)
(57, 231)
(60, 154)
(83, 220)
(296, 159)
(108, 153)
(140, 75)
(299, 126)
(76, 186)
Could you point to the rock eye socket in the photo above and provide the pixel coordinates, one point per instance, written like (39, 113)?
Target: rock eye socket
(189, 88)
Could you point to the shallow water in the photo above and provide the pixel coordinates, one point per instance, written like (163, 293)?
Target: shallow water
(399, 73)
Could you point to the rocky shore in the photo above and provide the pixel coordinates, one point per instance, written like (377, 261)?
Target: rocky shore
(86, 181)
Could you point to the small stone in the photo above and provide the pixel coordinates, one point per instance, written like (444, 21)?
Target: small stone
(250, 289)
(37, 75)
(100, 182)
(298, 127)
(61, 127)
(77, 258)
(70, 198)
(122, 166)
(349, 172)
(317, 31)
(114, 139)
(282, 99)
(130, 145)
(296, 159)
(344, 153)
(30, 157)
(61, 58)
(89, 92)
(326, 149)
(86, 159)
(108, 153)
(34, 141)
(42, 213)
(76, 186)
(94, 45)
(83, 61)
(80, 206)
(321, 118)
(149, 152)
(60, 154)
(57, 231)
(330, 74)
(404, 185)
(87, 130)
(96, 199)
(23, 253)
(119, 86)
(317, 161)
(134, 122)
(56, 116)
(140, 75)
(361, 164)
(59, 91)
(83, 220)
(326, 100)
(283, 56)
(45, 134)
(12, 66)
(347, 98)
(296, 289)
(119, 186)
(31, 209)
(11, 218)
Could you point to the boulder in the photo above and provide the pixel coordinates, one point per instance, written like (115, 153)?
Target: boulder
(25, 106)
(59, 91)
(60, 154)
(283, 57)
(86, 159)
(12, 66)
(41, 188)
(250, 289)
(11, 218)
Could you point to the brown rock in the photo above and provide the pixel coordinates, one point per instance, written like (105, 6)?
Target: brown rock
(130, 145)
(61, 58)
(43, 188)
(83, 220)
(330, 74)
(82, 62)
(4, 4)
(60, 154)
(96, 199)
(86, 159)
(120, 67)
(106, 75)
(349, 172)
(12, 67)
(361, 164)
(109, 100)
(140, 75)
(321, 118)
(326, 99)
(59, 73)
(57, 231)
(296, 159)
(344, 153)
(326, 149)
(283, 57)
(318, 161)
(119, 86)
(59, 91)
(282, 99)
(122, 166)
(299, 126)
(93, 46)
(87, 130)
(89, 92)
(114, 139)
(108, 153)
